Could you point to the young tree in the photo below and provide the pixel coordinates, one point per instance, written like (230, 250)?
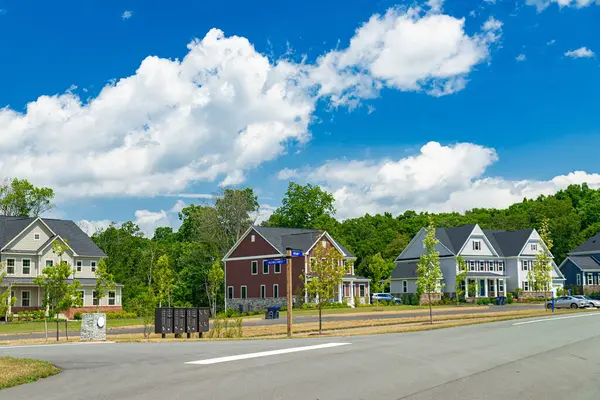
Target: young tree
(60, 291)
(214, 283)
(428, 268)
(461, 276)
(105, 281)
(20, 198)
(164, 280)
(325, 275)
(379, 271)
(6, 301)
(542, 266)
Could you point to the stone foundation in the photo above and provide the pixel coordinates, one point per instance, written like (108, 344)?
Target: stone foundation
(91, 329)
(435, 297)
(257, 303)
(533, 295)
(591, 289)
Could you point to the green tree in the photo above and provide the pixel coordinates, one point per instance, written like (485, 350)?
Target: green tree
(105, 281)
(461, 276)
(60, 291)
(6, 301)
(302, 206)
(214, 284)
(542, 266)
(380, 270)
(325, 275)
(164, 280)
(18, 197)
(429, 272)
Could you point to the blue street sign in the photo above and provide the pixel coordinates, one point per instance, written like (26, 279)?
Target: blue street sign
(296, 253)
(275, 261)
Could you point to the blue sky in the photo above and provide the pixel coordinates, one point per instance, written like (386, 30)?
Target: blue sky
(461, 104)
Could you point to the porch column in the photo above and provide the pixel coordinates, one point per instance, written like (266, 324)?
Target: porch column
(466, 288)
(485, 288)
(504, 285)
(340, 292)
(352, 292)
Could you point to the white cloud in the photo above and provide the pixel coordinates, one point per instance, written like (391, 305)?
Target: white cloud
(490, 1)
(439, 178)
(127, 14)
(178, 206)
(91, 227)
(435, 5)
(287, 173)
(191, 195)
(225, 109)
(521, 57)
(582, 52)
(543, 4)
(551, 42)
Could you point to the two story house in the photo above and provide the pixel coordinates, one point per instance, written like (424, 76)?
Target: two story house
(497, 261)
(252, 282)
(582, 267)
(26, 249)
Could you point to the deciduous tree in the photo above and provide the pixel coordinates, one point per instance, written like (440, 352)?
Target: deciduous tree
(302, 206)
(164, 280)
(461, 276)
(542, 266)
(214, 283)
(105, 281)
(18, 197)
(429, 271)
(5, 298)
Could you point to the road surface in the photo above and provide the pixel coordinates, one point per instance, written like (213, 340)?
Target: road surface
(546, 358)
(301, 319)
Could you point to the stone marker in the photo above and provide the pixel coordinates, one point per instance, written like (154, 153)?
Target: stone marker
(93, 327)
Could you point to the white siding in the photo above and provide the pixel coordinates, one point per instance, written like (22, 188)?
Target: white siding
(415, 249)
(88, 297)
(26, 240)
(534, 239)
(396, 286)
(48, 254)
(86, 267)
(34, 270)
(478, 236)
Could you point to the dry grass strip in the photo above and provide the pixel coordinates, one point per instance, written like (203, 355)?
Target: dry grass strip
(17, 371)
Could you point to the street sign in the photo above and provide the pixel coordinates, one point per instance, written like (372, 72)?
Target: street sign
(275, 261)
(297, 253)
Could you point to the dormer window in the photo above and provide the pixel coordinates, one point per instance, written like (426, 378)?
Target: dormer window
(324, 243)
(36, 236)
(476, 245)
(252, 238)
(534, 247)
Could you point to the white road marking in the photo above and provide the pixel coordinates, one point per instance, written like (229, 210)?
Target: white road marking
(265, 353)
(555, 318)
(52, 345)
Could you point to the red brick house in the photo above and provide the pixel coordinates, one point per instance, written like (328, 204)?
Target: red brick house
(252, 283)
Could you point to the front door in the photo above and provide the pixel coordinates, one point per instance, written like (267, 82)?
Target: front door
(482, 287)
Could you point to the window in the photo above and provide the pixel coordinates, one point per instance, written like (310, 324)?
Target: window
(277, 268)
(590, 279)
(79, 266)
(481, 266)
(324, 243)
(525, 265)
(244, 292)
(230, 292)
(275, 290)
(404, 286)
(12, 295)
(93, 264)
(25, 298)
(252, 238)
(95, 300)
(26, 266)
(361, 290)
(263, 291)
(49, 263)
(476, 245)
(492, 266)
(533, 247)
(526, 286)
(472, 265)
(500, 266)
(254, 267)
(265, 268)
(36, 236)
(112, 297)
(578, 279)
(501, 285)
(10, 266)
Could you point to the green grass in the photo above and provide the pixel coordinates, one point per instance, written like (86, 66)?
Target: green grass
(17, 371)
(360, 310)
(74, 326)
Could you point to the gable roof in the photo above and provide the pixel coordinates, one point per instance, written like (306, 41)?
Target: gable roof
(79, 241)
(592, 244)
(508, 243)
(300, 239)
(454, 238)
(585, 262)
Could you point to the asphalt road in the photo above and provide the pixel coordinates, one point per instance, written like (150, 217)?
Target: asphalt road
(300, 320)
(557, 358)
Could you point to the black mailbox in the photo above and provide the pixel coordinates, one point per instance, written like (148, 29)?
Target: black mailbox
(163, 320)
(191, 317)
(179, 320)
(203, 314)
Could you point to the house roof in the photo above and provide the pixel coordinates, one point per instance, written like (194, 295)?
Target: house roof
(454, 238)
(79, 241)
(585, 262)
(508, 243)
(300, 239)
(592, 244)
(29, 281)
(405, 270)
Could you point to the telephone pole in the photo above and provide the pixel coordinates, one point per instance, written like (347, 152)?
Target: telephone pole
(290, 302)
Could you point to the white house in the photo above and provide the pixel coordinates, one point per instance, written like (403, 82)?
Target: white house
(498, 261)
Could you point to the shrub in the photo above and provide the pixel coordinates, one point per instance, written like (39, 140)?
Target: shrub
(120, 315)
(77, 316)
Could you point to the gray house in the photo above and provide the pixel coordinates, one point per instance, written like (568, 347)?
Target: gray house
(582, 267)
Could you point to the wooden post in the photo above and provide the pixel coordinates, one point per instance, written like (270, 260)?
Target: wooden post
(290, 301)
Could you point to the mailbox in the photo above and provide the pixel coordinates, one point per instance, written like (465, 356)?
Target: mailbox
(163, 320)
(203, 314)
(179, 320)
(191, 318)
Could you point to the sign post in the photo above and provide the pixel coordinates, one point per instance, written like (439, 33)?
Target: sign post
(290, 302)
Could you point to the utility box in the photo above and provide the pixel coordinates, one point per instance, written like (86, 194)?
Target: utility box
(203, 316)
(179, 324)
(163, 320)
(191, 320)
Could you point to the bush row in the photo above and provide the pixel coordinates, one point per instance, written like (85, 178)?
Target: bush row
(110, 315)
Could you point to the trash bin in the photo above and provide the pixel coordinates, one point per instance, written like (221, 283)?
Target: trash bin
(272, 312)
(498, 300)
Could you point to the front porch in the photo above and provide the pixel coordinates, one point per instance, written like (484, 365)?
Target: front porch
(354, 291)
(485, 286)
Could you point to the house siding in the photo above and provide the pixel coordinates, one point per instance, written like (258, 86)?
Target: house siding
(397, 288)
(247, 248)
(34, 267)
(26, 240)
(86, 267)
(415, 249)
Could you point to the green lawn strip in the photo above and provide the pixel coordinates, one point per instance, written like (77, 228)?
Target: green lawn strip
(360, 310)
(16, 328)
(17, 371)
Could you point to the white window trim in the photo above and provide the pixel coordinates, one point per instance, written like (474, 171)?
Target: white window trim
(93, 265)
(275, 289)
(232, 292)
(265, 265)
(22, 267)
(525, 265)
(477, 245)
(46, 263)
(252, 238)
(243, 289)
(28, 299)
(79, 265)
(36, 236)
(82, 297)
(114, 298)
(95, 296)
(526, 286)
(14, 266)
(578, 279)
(534, 247)
(252, 263)
(404, 286)
(263, 291)
(275, 268)
(364, 290)
(590, 279)
(324, 243)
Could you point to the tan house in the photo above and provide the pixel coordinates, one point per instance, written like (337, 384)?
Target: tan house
(26, 249)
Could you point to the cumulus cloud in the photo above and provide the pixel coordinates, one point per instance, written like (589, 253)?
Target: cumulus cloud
(127, 14)
(438, 178)
(582, 52)
(521, 57)
(224, 109)
(543, 4)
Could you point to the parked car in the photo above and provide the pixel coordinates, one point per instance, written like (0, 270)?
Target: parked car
(586, 299)
(385, 297)
(568, 302)
(591, 301)
(596, 297)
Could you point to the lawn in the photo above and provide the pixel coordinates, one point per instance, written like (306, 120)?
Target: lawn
(74, 326)
(366, 310)
(17, 371)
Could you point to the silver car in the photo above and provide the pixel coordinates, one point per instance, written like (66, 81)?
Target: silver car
(591, 302)
(568, 302)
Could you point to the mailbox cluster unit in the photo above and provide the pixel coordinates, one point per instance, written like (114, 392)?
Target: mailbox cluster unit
(181, 320)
